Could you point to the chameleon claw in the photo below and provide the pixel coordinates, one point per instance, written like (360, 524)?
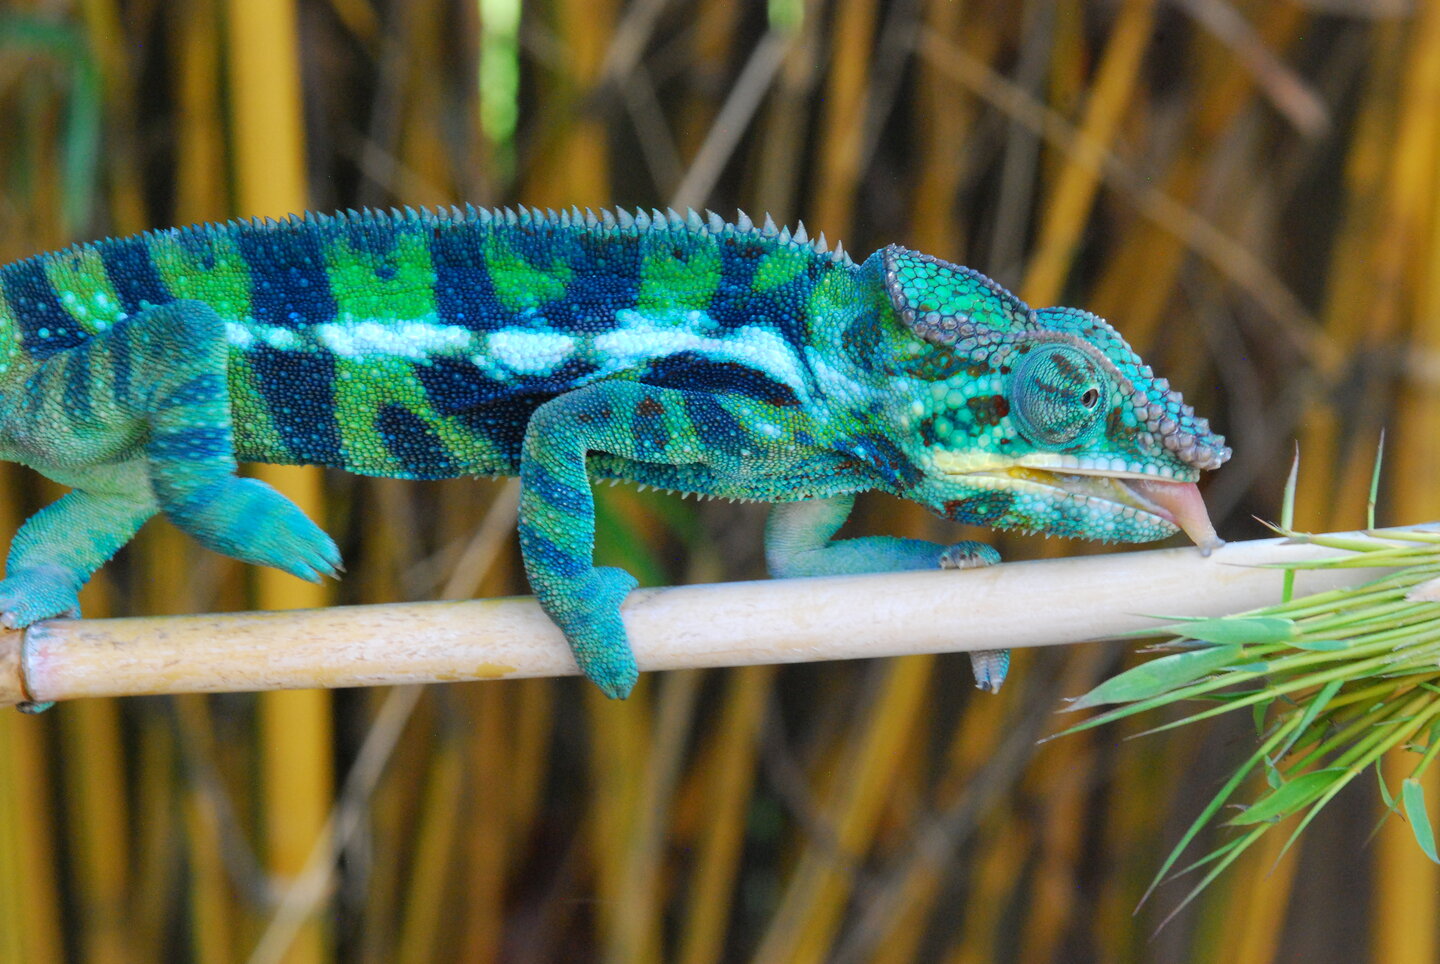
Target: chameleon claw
(990, 667)
(968, 555)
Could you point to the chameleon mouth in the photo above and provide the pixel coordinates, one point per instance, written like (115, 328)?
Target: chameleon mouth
(1178, 503)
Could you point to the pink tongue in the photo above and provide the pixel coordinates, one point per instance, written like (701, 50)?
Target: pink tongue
(1180, 501)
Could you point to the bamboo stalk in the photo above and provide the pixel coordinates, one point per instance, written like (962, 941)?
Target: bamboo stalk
(727, 792)
(269, 150)
(1069, 208)
(732, 624)
(1406, 882)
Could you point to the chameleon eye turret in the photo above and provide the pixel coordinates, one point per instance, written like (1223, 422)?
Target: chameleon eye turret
(729, 360)
(1059, 396)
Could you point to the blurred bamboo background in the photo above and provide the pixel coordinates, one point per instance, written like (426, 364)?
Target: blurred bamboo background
(1249, 189)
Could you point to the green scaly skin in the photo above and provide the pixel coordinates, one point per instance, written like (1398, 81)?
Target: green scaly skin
(729, 360)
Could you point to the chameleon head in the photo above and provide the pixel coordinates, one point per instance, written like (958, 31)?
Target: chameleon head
(1038, 420)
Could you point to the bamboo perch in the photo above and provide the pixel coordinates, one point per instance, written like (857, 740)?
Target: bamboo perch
(1044, 602)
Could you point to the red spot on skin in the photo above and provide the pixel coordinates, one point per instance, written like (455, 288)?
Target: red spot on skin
(649, 406)
(988, 409)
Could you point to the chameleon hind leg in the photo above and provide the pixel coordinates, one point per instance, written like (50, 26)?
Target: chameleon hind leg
(800, 541)
(557, 509)
(152, 394)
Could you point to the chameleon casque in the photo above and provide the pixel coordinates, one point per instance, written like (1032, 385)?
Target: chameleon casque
(737, 361)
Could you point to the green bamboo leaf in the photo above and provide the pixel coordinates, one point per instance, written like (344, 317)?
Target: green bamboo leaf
(1385, 794)
(1322, 645)
(1292, 796)
(1238, 629)
(1256, 667)
(1312, 709)
(1258, 713)
(1158, 676)
(1413, 794)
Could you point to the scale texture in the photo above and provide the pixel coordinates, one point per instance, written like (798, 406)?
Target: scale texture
(727, 360)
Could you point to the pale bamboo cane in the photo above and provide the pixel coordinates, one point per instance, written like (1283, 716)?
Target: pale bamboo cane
(1044, 602)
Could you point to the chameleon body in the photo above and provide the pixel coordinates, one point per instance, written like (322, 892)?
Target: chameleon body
(728, 360)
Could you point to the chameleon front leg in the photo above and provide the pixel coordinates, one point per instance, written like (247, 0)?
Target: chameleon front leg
(800, 541)
(61, 546)
(154, 390)
(557, 509)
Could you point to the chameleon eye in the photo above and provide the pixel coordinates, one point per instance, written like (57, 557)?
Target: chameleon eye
(1058, 395)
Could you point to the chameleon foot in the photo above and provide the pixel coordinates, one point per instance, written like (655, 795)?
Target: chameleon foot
(968, 555)
(989, 665)
(247, 519)
(590, 617)
(43, 592)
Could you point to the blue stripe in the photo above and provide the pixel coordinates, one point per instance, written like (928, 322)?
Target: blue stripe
(884, 457)
(464, 294)
(604, 275)
(413, 444)
(720, 430)
(289, 284)
(45, 326)
(694, 372)
(132, 274)
(298, 388)
(202, 389)
(455, 386)
(550, 557)
(737, 302)
(647, 428)
(120, 367)
(556, 493)
(198, 244)
(201, 443)
(77, 403)
(374, 237)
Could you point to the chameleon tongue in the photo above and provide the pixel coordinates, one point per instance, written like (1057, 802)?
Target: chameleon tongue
(1180, 502)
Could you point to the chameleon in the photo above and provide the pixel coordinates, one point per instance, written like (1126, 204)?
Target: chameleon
(730, 360)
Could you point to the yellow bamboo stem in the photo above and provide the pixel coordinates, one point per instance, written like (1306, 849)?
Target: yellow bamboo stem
(809, 914)
(1069, 207)
(1407, 884)
(437, 827)
(727, 796)
(1003, 849)
(270, 174)
(36, 896)
(1258, 900)
(99, 818)
(487, 828)
(842, 124)
(211, 917)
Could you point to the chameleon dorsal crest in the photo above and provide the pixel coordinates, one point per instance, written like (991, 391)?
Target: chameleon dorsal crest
(944, 303)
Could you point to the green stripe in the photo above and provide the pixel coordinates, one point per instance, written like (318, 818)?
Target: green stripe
(224, 284)
(518, 283)
(781, 266)
(686, 281)
(83, 289)
(397, 285)
(256, 437)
